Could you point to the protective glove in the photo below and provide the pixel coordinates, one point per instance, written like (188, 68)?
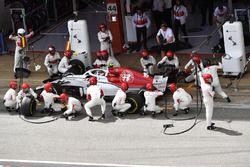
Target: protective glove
(148, 65)
(159, 65)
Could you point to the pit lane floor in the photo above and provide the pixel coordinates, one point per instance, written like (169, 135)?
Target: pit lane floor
(132, 140)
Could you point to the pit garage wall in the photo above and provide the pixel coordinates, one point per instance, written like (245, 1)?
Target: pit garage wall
(5, 21)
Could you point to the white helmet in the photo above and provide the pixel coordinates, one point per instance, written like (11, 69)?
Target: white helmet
(21, 31)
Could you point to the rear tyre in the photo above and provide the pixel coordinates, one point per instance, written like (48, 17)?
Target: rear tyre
(77, 68)
(136, 100)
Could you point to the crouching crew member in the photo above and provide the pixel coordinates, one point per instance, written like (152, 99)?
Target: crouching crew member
(190, 67)
(9, 99)
(182, 99)
(49, 99)
(147, 63)
(72, 104)
(51, 61)
(95, 97)
(119, 103)
(26, 90)
(64, 63)
(150, 96)
(208, 97)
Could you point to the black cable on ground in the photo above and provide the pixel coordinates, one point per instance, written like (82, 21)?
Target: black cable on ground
(198, 94)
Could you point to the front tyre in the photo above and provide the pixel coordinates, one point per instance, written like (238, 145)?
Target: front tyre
(136, 100)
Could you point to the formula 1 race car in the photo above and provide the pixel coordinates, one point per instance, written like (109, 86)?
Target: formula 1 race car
(110, 80)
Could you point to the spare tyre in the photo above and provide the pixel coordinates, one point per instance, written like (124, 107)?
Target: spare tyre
(136, 100)
(28, 106)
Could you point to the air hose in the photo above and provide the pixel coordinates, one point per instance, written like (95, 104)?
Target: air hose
(198, 111)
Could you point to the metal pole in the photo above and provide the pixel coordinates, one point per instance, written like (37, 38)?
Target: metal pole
(230, 7)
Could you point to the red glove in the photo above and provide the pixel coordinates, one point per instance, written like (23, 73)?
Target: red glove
(102, 94)
(88, 97)
(187, 71)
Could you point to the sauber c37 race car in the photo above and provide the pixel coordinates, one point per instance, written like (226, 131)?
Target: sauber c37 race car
(109, 80)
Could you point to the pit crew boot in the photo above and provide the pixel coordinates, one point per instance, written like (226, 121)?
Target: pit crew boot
(153, 113)
(91, 118)
(102, 117)
(211, 127)
(120, 114)
(8, 109)
(113, 112)
(228, 99)
(186, 110)
(175, 114)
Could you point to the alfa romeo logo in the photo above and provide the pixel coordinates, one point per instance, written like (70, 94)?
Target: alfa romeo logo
(127, 76)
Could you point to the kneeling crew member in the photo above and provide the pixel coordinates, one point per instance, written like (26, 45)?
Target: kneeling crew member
(95, 97)
(9, 99)
(49, 99)
(182, 99)
(26, 90)
(150, 99)
(119, 103)
(72, 104)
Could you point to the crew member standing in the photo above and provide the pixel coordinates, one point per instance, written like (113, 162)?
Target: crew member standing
(208, 98)
(105, 38)
(51, 61)
(150, 96)
(157, 11)
(9, 99)
(21, 44)
(64, 63)
(119, 103)
(95, 96)
(73, 105)
(220, 16)
(147, 63)
(216, 82)
(180, 16)
(181, 98)
(141, 23)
